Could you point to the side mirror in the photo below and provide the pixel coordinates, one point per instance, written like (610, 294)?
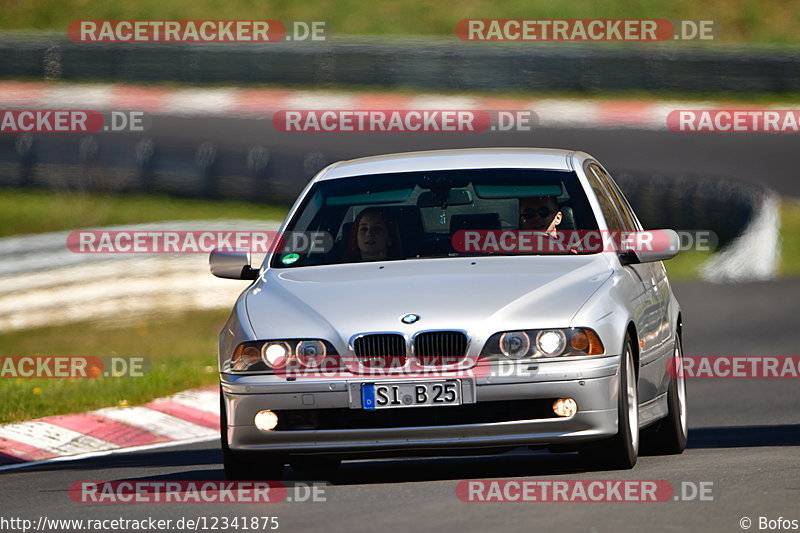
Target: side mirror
(650, 246)
(232, 264)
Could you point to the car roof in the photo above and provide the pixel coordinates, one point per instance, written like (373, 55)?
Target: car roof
(469, 158)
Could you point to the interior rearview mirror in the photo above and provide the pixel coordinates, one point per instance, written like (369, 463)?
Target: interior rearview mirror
(436, 198)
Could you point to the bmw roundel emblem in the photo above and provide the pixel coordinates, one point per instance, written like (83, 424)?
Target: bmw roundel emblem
(409, 318)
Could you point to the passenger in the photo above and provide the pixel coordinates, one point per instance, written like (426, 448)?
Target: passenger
(540, 214)
(374, 237)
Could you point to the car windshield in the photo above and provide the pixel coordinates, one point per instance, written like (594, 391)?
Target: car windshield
(413, 215)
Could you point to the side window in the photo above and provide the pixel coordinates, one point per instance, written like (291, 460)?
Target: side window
(614, 220)
(631, 222)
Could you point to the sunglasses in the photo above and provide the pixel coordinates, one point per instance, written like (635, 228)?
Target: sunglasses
(543, 212)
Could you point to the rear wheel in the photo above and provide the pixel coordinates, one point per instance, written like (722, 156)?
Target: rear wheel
(246, 466)
(669, 435)
(620, 452)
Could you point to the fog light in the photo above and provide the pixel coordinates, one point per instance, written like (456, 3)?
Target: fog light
(266, 420)
(565, 407)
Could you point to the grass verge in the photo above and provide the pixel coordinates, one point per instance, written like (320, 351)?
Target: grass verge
(790, 238)
(685, 265)
(24, 211)
(181, 351)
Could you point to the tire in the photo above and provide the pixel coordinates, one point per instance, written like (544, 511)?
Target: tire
(669, 435)
(240, 466)
(622, 451)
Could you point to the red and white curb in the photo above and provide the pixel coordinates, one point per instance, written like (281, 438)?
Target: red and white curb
(262, 103)
(189, 416)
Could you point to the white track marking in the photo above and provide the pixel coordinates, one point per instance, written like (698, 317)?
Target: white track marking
(153, 284)
(753, 255)
(205, 400)
(105, 453)
(567, 113)
(436, 101)
(156, 422)
(52, 438)
(42, 283)
(62, 96)
(227, 100)
(200, 101)
(320, 100)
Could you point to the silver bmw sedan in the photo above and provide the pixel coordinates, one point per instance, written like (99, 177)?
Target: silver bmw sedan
(453, 301)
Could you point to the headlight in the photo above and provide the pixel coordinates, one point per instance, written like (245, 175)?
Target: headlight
(310, 354)
(548, 343)
(551, 342)
(266, 356)
(248, 356)
(276, 354)
(515, 344)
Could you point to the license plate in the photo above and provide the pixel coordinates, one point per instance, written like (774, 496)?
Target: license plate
(410, 394)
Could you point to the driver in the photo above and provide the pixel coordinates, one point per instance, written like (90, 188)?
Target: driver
(540, 213)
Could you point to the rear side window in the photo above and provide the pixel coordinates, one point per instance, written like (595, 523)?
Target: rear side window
(623, 207)
(614, 219)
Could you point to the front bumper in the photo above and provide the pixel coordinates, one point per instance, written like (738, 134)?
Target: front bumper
(592, 383)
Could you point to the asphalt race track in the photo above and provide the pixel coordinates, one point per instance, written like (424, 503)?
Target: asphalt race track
(744, 434)
(759, 158)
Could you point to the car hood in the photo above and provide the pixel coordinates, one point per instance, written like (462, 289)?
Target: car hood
(477, 295)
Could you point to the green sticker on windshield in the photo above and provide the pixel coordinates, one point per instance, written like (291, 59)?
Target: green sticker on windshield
(289, 259)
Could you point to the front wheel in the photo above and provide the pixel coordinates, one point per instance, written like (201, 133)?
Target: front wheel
(669, 435)
(621, 452)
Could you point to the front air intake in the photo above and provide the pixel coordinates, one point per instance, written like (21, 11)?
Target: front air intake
(381, 350)
(440, 348)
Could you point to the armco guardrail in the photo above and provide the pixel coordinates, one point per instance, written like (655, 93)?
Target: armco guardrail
(415, 63)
